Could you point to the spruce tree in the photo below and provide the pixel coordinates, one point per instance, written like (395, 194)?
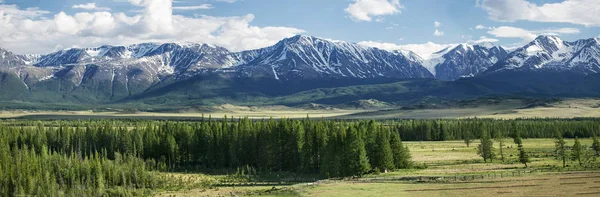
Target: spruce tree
(486, 148)
(384, 159)
(443, 133)
(560, 148)
(577, 151)
(467, 137)
(500, 138)
(523, 157)
(331, 163)
(356, 162)
(596, 145)
(400, 152)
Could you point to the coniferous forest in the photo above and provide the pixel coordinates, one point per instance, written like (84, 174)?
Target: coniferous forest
(126, 157)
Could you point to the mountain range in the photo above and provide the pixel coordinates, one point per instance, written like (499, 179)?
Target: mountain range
(194, 73)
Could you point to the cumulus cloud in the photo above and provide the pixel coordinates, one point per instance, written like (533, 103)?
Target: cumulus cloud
(32, 30)
(424, 50)
(437, 24)
(438, 33)
(528, 35)
(365, 10)
(582, 12)
(90, 6)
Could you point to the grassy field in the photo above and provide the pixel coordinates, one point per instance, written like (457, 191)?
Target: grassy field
(505, 109)
(237, 112)
(453, 169)
(556, 184)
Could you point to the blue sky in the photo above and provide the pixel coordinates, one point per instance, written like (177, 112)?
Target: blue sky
(419, 25)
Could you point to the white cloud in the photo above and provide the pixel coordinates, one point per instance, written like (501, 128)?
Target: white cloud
(198, 7)
(365, 10)
(227, 1)
(424, 50)
(484, 39)
(437, 24)
(482, 27)
(14, 11)
(33, 31)
(90, 6)
(528, 35)
(438, 33)
(582, 12)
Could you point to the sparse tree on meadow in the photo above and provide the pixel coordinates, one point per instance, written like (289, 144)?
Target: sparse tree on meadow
(523, 157)
(577, 151)
(468, 138)
(560, 148)
(486, 148)
(596, 145)
(500, 139)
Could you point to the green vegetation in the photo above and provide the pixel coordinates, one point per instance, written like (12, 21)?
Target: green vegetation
(486, 148)
(142, 157)
(523, 156)
(596, 145)
(561, 149)
(94, 157)
(577, 151)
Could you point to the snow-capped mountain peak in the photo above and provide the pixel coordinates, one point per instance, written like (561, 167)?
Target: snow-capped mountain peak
(311, 57)
(409, 54)
(463, 60)
(552, 53)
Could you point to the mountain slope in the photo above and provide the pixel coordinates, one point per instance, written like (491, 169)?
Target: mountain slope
(464, 60)
(305, 57)
(296, 70)
(550, 53)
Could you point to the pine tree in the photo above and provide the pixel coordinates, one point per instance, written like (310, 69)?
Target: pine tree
(443, 133)
(356, 161)
(331, 163)
(523, 157)
(400, 152)
(486, 148)
(500, 138)
(577, 151)
(596, 145)
(560, 148)
(383, 159)
(514, 132)
(467, 137)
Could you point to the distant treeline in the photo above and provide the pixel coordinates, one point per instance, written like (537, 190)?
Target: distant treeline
(441, 130)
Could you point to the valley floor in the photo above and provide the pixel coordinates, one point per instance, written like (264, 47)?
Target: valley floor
(504, 109)
(453, 169)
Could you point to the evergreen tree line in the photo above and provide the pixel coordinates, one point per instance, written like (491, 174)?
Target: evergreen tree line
(26, 170)
(469, 129)
(329, 148)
